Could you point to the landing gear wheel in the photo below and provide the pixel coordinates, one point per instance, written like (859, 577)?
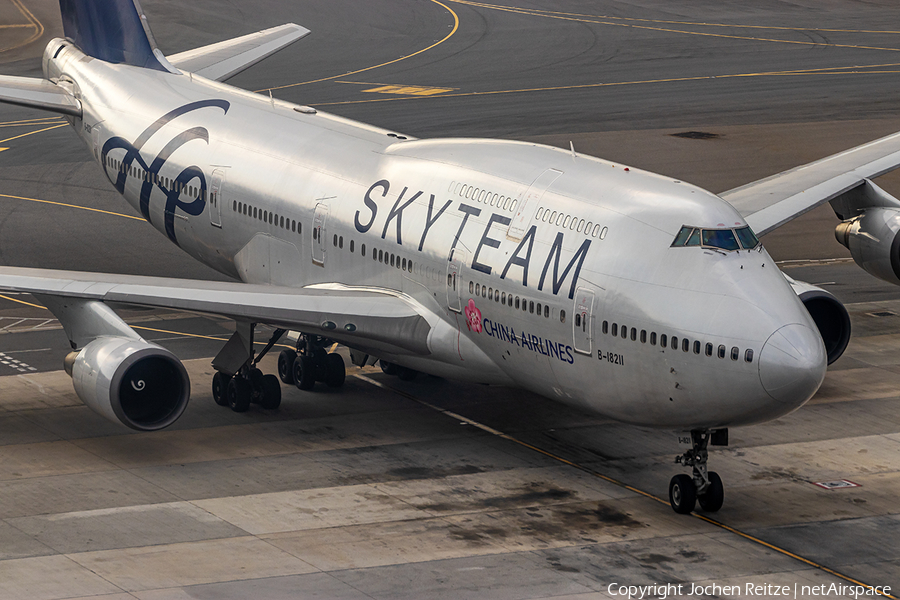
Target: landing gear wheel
(239, 391)
(682, 494)
(304, 372)
(405, 374)
(220, 388)
(271, 393)
(389, 368)
(711, 500)
(335, 372)
(286, 366)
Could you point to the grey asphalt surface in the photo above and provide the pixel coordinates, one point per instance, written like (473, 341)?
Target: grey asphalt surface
(779, 84)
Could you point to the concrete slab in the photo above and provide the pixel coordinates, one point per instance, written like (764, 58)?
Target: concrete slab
(501, 577)
(15, 543)
(50, 578)
(83, 491)
(125, 527)
(314, 586)
(22, 461)
(513, 488)
(381, 544)
(310, 509)
(168, 447)
(192, 563)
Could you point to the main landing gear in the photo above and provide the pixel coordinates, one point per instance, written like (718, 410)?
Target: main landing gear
(310, 363)
(238, 382)
(705, 486)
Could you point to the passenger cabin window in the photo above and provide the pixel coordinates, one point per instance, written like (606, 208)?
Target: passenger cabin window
(652, 338)
(748, 355)
(734, 353)
(721, 352)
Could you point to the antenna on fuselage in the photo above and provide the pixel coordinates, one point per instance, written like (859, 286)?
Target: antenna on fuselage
(572, 146)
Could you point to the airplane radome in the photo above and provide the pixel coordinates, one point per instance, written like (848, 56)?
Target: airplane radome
(634, 296)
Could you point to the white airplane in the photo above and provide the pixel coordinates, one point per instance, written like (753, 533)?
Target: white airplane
(628, 294)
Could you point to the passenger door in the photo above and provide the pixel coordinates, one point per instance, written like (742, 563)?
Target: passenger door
(454, 283)
(583, 321)
(319, 234)
(215, 199)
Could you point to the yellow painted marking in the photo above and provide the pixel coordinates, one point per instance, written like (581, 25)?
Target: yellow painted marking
(616, 482)
(531, 12)
(22, 302)
(105, 212)
(28, 124)
(33, 121)
(2, 149)
(384, 64)
(33, 132)
(409, 90)
(32, 23)
(700, 24)
(21, 26)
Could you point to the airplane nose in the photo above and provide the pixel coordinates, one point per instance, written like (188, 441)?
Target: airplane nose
(792, 364)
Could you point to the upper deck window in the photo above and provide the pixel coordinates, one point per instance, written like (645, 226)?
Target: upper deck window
(723, 239)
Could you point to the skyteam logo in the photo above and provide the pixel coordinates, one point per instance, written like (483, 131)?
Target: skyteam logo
(151, 169)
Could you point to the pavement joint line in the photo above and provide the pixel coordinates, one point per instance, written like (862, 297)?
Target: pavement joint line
(563, 17)
(396, 60)
(621, 484)
(732, 25)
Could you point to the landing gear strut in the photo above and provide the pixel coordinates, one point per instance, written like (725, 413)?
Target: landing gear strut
(705, 486)
(310, 363)
(238, 382)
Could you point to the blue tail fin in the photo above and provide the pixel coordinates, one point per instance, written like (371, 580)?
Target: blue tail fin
(114, 31)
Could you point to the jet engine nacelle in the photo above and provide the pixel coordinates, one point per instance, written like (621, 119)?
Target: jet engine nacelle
(133, 382)
(829, 315)
(873, 241)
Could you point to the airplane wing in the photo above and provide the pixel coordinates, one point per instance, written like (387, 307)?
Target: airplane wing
(771, 202)
(367, 319)
(224, 59)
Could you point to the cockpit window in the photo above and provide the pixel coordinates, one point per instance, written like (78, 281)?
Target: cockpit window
(720, 238)
(747, 237)
(682, 236)
(724, 239)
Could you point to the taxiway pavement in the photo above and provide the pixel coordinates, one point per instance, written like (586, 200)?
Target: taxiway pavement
(433, 488)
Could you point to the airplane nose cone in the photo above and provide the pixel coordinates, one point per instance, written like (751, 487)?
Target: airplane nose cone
(792, 364)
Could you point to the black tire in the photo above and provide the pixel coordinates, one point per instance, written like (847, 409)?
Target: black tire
(407, 374)
(335, 370)
(220, 388)
(271, 393)
(239, 394)
(711, 500)
(682, 494)
(255, 376)
(286, 366)
(304, 372)
(389, 368)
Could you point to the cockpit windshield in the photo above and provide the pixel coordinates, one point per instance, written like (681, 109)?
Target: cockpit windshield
(723, 239)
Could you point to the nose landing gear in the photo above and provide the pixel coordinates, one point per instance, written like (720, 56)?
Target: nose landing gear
(705, 486)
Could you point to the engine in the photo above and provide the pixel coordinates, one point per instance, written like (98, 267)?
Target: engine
(829, 315)
(873, 242)
(129, 381)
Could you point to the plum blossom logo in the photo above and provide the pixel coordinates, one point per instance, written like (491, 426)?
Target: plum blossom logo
(473, 317)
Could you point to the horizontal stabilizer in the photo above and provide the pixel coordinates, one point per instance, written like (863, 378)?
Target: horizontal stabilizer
(38, 93)
(366, 319)
(224, 59)
(771, 202)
